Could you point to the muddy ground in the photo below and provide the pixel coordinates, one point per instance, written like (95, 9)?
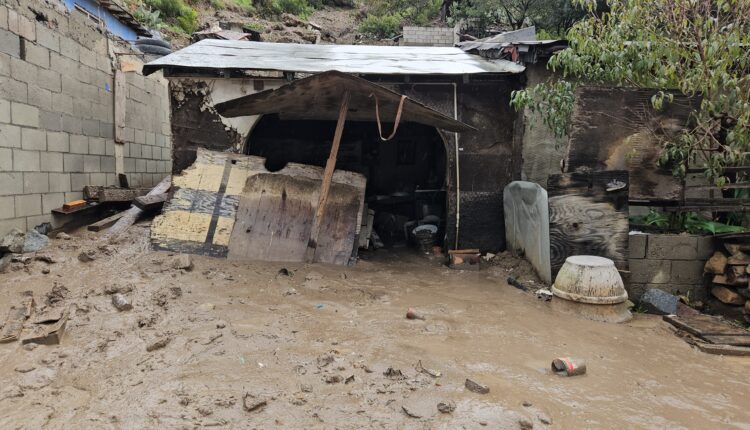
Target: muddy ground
(316, 346)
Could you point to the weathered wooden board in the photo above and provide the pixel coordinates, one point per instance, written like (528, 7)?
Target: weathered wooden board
(120, 195)
(586, 219)
(711, 329)
(150, 203)
(106, 222)
(618, 129)
(275, 216)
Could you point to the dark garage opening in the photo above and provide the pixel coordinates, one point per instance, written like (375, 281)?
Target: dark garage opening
(405, 175)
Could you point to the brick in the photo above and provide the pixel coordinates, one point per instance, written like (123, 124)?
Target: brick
(672, 247)
(147, 151)
(62, 103)
(10, 136)
(59, 182)
(79, 144)
(4, 64)
(52, 201)
(7, 208)
(33, 139)
(40, 97)
(35, 182)
(134, 150)
(13, 90)
(50, 79)
(4, 111)
(22, 114)
(139, 136)
(73, 162)
(91, 163)
(87, 57)
(106, 130)
(650, 271)
(26, 28)
(6, 159)
(25, 161)
(58, 141)
(140, 165)
(108, 164)
(50, 121)
(47, 37)
(71, 124)
(3, 22)
(10, 44)
(98, 179)
(151, 166)
(27, 205)
(96, 146)
(51, 162)
(78, 181)
(11, 183)
(23, 71)
(38, 55)
(90, 127)
(69, 48)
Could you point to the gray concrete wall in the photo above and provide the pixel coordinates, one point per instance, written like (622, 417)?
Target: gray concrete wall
(57, 113)
(429, 36)
(671, 262)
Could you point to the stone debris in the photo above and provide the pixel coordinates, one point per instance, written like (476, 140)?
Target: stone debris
(45, 258)
(412, 314)
(34, 241)
(525, 423)
(659, 302)
(12, 242)
(392, 373)
(87, 255)
(446, 407)
(476, 387)
(253, 402)
(158, 343)
(121, 303)
(58, 294)
(182, 262)
(5, 261)
(63, 236)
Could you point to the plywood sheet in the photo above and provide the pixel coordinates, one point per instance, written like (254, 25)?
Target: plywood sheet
(587, 219)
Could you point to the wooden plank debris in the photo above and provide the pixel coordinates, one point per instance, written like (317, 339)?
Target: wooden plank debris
(587, 219)
(131, 215)
(150, 203)
(16, 318)
(75, 204)
(714, 330)
(106, 222)
(120, 195)
(47, 334)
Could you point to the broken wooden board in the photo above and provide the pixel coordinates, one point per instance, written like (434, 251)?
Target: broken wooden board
(711, 329)
(47, 334)
(275, 215)
(199, 216)
(16, 318)
(120, 195)
(106, 222)
(586, 219)
(150, 203)
(618, 129)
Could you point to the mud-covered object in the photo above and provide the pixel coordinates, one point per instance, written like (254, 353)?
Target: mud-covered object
(34, 241)
(659, 302)
(12, 242)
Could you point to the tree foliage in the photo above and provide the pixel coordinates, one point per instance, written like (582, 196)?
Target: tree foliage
(697, 47)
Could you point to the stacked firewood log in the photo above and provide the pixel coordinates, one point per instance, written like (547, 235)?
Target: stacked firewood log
(731, 277)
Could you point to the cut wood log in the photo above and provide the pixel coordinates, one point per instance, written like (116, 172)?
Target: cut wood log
(106, 222)
(75, 204)
(739, 258)
(153, 202)
(131, 215)
(727, 295)
(120, 195)
(720, 280)
(91, 192)
(732, 248)
(717, 264)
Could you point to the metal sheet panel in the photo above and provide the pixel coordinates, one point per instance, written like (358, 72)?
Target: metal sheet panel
(290, 57)
(319, 97)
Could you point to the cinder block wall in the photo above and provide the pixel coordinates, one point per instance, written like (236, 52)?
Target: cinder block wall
(671, 262)
(428, 36)
(57, 113)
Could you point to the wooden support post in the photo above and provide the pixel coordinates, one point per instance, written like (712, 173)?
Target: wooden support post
(312, 244)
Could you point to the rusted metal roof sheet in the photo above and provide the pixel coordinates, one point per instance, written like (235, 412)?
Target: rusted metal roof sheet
(362, 59)
(319, 97)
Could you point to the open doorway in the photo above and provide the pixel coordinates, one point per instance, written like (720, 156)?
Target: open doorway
(405, 176)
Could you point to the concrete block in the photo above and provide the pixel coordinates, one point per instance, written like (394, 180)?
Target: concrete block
(40, 97)
(166, 153)
(91, 163)
(78, 181)
(87, 57)
(108, 164)
(7, 208)
(84, 74)
(151, 166)
(38, 55)
(96, 146)
(129, 165)
(150, 138)
(79, 144)
(33, 139)
(134, 150)
(73, 163)
(672, 246)
(36, 220)
(59, 182)
(109, 147)
(13, 90)
(23, 114)
(99, 179)
(47, 37)
(687, 271)
(35, 182)
(4, 111)
(107, 130)
(25, 161)
(90, 127)
(58, 141)
(650, 271)
(147, 152)
(112, 180)
(28, 205)
(50, 79)
(637, 245)
(139, 136)
(6, 159)
(71, 124)
(62, 103)
(52, 162)
(70, 85)
(73, 195)
(4, 64)
(705, 247)
(140, 165)
(10, 43)
(69, 48)
(104, 64)
(3, 21)
(9, 224)
(128, 134)
(26, 28)
(11, 183)
(10, 136)
(23, 71)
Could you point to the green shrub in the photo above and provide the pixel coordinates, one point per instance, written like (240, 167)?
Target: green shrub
(381, 26)
(177, 11)
(300, 8)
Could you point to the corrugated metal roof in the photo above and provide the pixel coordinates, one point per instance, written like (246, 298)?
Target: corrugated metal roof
(364, 59)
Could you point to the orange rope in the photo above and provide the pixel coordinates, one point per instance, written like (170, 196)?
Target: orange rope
(398, 117)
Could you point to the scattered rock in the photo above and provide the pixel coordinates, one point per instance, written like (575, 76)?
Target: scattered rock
(12, 242)
(525, 423)
(206, 307)
(121, 303)
(324, 360)
(313, 276)
(409, 412)
(717, 264)
(58, 293)
(392, 373)
(63, 236)
(45, 258)
(221, 324)
(23, 259)
(34, 241)
(659, 302)
(349, 379)
(87, 255)
(5, 262)
(252, 402)
(446, 407)
(158, 343)
(114, 289)
(182, 261)
(333, 379)
(306, 388)
(43, 228)
(45, 270)
(176, 292)
(25, 368)
(476, 387)
(728, 296)
(544, 418)
(11, 392)
(527, 404)
(30, 346)
(413, 315)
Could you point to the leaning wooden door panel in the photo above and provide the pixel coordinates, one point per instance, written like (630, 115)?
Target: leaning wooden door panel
(275, 214)
(588, 215)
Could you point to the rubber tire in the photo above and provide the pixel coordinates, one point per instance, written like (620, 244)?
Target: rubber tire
(153, 42)
(155, 50)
